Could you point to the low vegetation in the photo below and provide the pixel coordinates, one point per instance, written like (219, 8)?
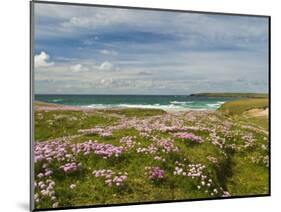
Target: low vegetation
(244, 110)
(240, 106)
(137, 155)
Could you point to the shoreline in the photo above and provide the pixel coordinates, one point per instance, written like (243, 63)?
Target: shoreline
(45, 106)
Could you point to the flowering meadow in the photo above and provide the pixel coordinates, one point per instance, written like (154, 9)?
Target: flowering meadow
(99, 157)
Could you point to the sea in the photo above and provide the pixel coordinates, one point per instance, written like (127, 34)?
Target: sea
(165, 102)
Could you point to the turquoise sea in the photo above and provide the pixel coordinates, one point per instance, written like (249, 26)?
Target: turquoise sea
(166, 102)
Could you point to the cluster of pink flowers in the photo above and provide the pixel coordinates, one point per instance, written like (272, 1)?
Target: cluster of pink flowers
(46, 173)
(196, 170)
(217, 140)
(70, 167)
(144, 129)
(111, 178)
(107, 173)
(180, 168)
(144, 134)
(104, 150)
(205, 183)
(202, 181)
(249, 140)
(96, 131)
(171, 129)
(148, 125)
(128, 142)
(158, 145)
(197, 128)
(191, 117)
(159, 158)
(166, 123)
(254, 129)
(189, 136)
(179, 171)
(151, 149)
(166, 145)
(52, 150)
(154, 173)
(45, 189)
(64, 152)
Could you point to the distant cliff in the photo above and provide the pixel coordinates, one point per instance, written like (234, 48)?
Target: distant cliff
(242, 95)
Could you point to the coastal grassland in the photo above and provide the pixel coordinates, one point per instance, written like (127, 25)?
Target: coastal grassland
(54, 124)
(94, 157)
(248, 110)
(134, 112)
(254, 112)
(243, 105)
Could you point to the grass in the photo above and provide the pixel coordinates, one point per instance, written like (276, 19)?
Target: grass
(244, 184)
(238, 110)
(239, 106)
(234, 167)
(135, 112)
(54, 124)
(252, 184)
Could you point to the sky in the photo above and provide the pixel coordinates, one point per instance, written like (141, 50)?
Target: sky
(95, 50)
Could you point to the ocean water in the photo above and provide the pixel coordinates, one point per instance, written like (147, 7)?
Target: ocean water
(165, 102)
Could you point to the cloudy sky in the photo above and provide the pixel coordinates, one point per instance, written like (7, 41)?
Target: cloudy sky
(90, 50)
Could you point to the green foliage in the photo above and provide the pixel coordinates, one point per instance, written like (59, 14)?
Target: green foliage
(243, 105)
(54, 124)
(135, 112)
(233, 170)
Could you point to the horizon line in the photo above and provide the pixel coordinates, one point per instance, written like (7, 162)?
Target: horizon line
(155, 94)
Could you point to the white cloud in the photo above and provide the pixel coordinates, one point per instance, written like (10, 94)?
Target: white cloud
(78, 68)
(81, 22)
(198, 27)
(96, 17)
(106, 66)
(104, 51)
(106, 82)
(108, 52)
(200, 49)
(41, 60)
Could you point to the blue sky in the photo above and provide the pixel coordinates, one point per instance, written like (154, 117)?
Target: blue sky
(90, 50)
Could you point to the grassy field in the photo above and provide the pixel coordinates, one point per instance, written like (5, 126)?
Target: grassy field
(138, 155)
(243, 105)
(238, 110)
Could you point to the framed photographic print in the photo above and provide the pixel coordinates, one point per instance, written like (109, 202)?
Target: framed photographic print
(140, 105)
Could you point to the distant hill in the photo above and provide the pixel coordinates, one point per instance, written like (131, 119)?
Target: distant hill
(242, 95)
